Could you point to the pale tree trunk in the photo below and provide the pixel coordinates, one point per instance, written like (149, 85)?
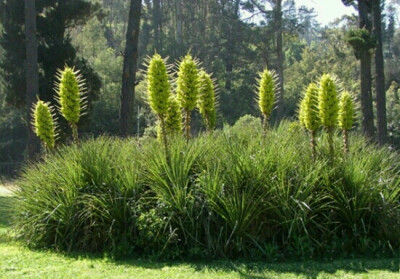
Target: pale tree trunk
(130, 67)
(379, 76)
(32, 83)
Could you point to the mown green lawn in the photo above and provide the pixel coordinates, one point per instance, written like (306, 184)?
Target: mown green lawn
(17, 261)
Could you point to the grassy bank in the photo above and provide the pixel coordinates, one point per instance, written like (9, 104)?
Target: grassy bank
(235, 193)
(17, 261)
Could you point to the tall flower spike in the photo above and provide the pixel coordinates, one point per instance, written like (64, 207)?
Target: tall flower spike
(207, 100)
(43, 124)
(70, 89)
(158, 91)
(173, 120)
(346, 117)
(266, 95)
(328, 105)
(187, 89)
(310, 114)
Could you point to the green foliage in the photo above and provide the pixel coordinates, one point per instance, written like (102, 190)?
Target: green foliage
(207, 100)
(228, 194)
(346, 111)
(70, 91)
(328, 103)
(158, 88)
(309, 108)
(360, 40)
(83, 198)
(266, 93)
(43, 123)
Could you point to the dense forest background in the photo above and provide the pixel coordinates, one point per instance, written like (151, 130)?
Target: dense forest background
(234, 39)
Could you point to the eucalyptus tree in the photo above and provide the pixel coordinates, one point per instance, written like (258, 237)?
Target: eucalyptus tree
(130, 66)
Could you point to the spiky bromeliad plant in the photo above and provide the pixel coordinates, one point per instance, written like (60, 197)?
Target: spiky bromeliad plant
(309, 116)
(346, 115)
(266, 95)
(328, 106)
(187, 89)
(70, 88)
(43, 124)
(207, 100)
(158, 90)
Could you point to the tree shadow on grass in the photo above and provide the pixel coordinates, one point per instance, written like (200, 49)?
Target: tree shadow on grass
(256, 270)
(5, 206)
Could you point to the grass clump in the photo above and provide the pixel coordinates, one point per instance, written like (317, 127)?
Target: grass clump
(226, 194)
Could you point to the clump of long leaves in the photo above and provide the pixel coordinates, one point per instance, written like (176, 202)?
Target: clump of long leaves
(236, 192)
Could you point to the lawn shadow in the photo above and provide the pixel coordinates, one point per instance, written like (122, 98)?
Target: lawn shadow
(5, 210)
(257, 270)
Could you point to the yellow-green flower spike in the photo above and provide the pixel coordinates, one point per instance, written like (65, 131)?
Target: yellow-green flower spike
(158, 87)
(311, 115)
(346, 111)
(266, 94)
(69, 94)
(207, 102)
(70, 87)
(328, 102)
(188, 83)
(173, 121)
(43, 124)
(187, 88)
(328, 105)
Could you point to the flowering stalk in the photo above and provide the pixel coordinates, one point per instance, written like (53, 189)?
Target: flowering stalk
(187, 89)
(266, 95)
(207, 100)
(70, 89)
(328, 105)
(309, 116)
(43, 124)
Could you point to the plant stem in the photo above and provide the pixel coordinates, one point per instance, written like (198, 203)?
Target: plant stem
(187, 124)
(265, 124)
(330, 142)
(74, 128)
(313, 145)
(164, 136)
(345, 141)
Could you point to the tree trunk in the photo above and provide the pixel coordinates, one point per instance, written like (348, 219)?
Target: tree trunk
(280, 56)
(179, 23)
(379, 76)
(130, 67)
(156, 24)
(32, 83)
(365, 64)
(231, 45)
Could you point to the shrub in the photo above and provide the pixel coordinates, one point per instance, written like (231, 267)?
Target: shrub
(225, 194)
